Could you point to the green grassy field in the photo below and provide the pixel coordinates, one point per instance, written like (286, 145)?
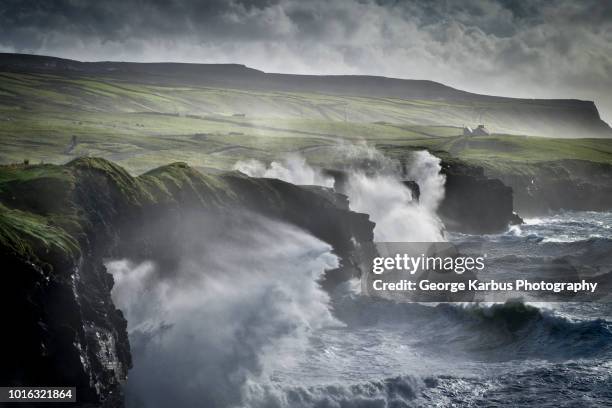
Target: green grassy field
(142, 126)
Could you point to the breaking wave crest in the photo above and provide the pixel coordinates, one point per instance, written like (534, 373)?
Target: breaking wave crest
(495, 332)
(541, 386)
(395, 392)
(515, 330)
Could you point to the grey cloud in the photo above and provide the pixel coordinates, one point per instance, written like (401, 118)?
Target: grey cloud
(539, 48)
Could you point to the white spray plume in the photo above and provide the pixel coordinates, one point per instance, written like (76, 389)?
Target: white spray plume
(293, 168)
(390, 205)
(199, 334)
(399, 217)
(425, 169)
(375, 188)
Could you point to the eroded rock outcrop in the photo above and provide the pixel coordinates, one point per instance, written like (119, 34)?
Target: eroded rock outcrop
(474, 203)
(560, 185)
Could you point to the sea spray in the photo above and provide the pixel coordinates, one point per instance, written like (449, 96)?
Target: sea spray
(292, 168)
(390, 205)
(425, 169)
(240, 294)
(375, 187)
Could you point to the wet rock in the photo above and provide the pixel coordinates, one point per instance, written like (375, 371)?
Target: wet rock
(474, 203)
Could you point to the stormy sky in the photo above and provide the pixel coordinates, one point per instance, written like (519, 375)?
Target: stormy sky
(539, 48)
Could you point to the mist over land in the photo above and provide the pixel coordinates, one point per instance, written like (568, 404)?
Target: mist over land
(436, 104)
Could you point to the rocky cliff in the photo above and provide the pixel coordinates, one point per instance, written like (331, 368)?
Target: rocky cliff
(59, 223)
(559, 185)
(475, 203)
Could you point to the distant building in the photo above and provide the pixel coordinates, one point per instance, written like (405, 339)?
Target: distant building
(481, 130)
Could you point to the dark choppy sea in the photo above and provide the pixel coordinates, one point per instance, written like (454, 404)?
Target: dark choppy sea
(518, 354)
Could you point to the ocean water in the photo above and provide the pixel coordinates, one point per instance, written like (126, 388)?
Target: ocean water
(520, 354)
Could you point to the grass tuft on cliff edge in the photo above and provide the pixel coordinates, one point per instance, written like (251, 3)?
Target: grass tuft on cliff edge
(46, 210)
(25, 234)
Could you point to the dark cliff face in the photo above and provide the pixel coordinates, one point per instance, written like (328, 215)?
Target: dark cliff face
(474, 203)
(57, 295)
(65, 329)
(561, 185)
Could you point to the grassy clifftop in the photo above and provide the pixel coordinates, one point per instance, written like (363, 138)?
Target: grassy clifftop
(209, 89)
(54, 208)
(54, 111)
(512, 154)
(40, 210)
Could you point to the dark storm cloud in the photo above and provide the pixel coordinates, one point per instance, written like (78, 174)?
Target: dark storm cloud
(552, 48)
(121, 20)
